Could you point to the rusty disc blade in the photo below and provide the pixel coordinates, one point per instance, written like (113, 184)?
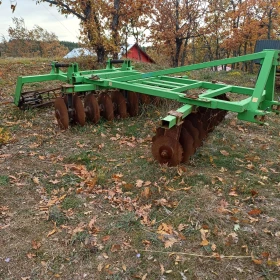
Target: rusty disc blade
(145, 98)
(65, 98)
(167, 150)
(215, 117)
(79, 115)
(107, 106)
(207, 121)
(92, 108)
(159, 132)
(155, 100)
(195, 118)
(133, 103)
(193, 132)
(187, 143)
(120, 102)
(61, 113)
(221, 115)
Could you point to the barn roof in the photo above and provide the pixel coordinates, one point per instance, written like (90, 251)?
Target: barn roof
(77, 52)
(129, 47)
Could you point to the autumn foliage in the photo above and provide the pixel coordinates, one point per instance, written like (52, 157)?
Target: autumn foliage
(180, 32)
(31, 43)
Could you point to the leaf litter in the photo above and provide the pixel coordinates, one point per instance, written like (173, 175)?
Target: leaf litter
(124, 210)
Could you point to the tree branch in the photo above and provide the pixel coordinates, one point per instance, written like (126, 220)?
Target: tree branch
(66, 7)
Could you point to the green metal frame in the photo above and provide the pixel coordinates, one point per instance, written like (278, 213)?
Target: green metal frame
(259, 100)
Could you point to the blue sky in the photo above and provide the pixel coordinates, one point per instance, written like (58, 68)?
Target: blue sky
(66, 29)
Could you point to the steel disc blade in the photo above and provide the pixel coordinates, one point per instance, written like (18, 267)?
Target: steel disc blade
(207, 121)
(65, 98)
(195, 118)
(221, 115)
(193, 132)
(107, 106)
(61, 113)
(92, 108)
(167, 150)
(145, 98)
(159, 132)
(156, 100)
(133, 103)
(215, 117)
(120, 102)
(79, 115)
(187, 143)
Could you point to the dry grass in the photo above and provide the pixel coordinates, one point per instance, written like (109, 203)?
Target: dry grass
(91, 203)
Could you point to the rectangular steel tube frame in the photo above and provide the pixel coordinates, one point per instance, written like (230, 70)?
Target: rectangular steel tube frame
(259, 100)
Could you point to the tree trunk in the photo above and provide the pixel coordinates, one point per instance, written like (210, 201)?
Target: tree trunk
(184, 53)
(269, 25)
(178, 41)
(115, 25)
(100, 51)
(178, 46)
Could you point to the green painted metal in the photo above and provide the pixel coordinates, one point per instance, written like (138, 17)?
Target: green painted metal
(255, 103)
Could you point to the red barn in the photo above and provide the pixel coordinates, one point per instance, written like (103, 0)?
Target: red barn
(135, 52)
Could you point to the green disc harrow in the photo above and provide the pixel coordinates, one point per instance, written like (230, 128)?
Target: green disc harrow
(88, 95)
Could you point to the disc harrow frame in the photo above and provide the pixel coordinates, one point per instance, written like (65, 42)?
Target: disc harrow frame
(118, 91)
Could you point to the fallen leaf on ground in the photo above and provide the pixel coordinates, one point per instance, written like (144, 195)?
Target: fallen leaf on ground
(36, 180)
(92, 222)
(169, 243)
(35, 244)
(257, 261)
(139, 183)
(51, 232)
(115, 248)
(106, 238)
(255, 212)
(161, 269)
(204, 242)
(225, 153)
(146, 193)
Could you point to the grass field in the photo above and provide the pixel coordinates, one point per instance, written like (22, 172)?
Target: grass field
(91, 202)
